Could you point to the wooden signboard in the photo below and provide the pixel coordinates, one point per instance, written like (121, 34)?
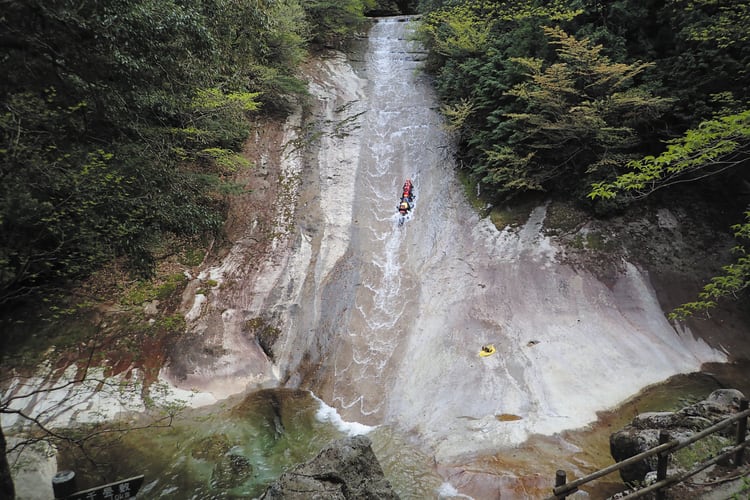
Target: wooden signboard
(120, 490)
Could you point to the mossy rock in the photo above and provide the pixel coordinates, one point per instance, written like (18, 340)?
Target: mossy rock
(265, 333)
(231, 471)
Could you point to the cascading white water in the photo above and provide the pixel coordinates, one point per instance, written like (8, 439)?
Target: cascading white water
(397, 130)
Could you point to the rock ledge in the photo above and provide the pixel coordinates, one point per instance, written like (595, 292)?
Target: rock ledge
(346, 469)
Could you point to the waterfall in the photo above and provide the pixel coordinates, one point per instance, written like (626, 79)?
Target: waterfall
(384, 322)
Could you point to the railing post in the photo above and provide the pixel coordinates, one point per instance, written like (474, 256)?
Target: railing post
(64, 484)
(741, 431)
(560, 480)
(661, 465)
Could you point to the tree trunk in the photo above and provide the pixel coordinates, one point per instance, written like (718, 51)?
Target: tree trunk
(7, 490)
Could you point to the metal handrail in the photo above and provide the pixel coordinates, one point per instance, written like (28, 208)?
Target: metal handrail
(562, 490)
(681, 477)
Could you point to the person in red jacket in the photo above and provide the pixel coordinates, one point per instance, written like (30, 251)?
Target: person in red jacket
(408, 190)
(407, 196)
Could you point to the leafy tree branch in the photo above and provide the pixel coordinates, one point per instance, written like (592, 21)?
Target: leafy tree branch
(710, 149)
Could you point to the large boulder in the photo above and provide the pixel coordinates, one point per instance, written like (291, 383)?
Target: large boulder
(346, 469)
(642, 433)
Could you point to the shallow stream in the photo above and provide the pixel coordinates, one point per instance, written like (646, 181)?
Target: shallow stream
(236, 448)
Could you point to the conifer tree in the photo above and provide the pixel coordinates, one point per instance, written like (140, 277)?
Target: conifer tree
(579, 117)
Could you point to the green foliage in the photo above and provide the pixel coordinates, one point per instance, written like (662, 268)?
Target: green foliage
(146, 291)
(701, 44)
(590, 102)
(472, 44)
(332, 22)
(192, 256)
(733, 279)
(578, 117)
(742, 493)
(720, 23)
(593, 100)
(261, 45)
(457, 31)
(393, 7)
(62, 208)
(457, 114)
(120, 122)
(225, 159)
(466, 28)
(173, 325)
(215, 99)
(710, 149)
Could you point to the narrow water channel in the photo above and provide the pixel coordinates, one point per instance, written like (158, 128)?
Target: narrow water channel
(401, 138)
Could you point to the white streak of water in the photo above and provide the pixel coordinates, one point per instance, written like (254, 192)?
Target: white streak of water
(329, 414)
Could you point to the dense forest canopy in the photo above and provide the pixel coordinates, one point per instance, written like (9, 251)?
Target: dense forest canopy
(566, 93)
(605, 101)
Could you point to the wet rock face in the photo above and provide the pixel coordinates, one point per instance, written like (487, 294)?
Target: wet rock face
(347, 469)
(642, 433)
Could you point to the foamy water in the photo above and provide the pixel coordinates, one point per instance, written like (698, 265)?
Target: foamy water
(329, 414)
